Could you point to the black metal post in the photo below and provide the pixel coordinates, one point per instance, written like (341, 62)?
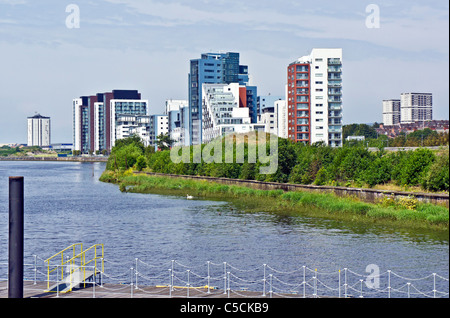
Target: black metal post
(16, 225)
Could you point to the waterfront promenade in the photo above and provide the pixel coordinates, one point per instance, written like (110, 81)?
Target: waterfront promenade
(36, 290)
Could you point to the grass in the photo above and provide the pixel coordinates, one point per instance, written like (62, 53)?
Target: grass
(293, 203)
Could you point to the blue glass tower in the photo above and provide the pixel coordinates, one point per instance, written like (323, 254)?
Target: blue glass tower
(211, 68)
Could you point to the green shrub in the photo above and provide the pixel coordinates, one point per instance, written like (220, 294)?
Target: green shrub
(416, 166)
(141, 163)
(437, 176)
(378, 172)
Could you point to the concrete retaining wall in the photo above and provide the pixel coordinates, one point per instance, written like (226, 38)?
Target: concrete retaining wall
(368, 195)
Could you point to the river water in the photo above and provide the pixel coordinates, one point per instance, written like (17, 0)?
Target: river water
(66, 204)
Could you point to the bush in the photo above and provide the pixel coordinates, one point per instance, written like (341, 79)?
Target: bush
(408, 203)
(416, 166)
(437, 176)
(301, 164)
(141, 163)
(379, 172)
(321, 177)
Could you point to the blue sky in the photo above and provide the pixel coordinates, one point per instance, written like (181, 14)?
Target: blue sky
(147, 45)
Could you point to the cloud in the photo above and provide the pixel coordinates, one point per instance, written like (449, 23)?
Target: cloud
(414, 27)
(13, 2)
(147, 45)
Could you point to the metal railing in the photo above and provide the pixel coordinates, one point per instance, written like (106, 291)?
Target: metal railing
(77, 264)
(175, 279)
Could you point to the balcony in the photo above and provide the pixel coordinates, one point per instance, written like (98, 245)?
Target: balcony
(302, 84)
(333, 77)
(335, 107)
(335, 121)
(334, 114)
(334, 92)
(334, 62)
(334, 69)
(335, 130)
(336, 137)
(334, 84)
(302, 122)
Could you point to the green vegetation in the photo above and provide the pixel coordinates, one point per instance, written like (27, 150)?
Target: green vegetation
(163, 142)
(21, 151)
(425, 137)
(404, 212)
(298, 163)
(355, 165)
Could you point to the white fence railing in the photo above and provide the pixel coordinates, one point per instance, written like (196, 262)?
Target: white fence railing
(127, 279)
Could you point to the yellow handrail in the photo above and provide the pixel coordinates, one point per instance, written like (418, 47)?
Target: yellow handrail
(81, 256)
(84, 263)
(73, 247)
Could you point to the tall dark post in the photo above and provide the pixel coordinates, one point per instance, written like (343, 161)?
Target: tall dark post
(16, 221)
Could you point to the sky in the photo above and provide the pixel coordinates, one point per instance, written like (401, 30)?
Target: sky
(46, 62)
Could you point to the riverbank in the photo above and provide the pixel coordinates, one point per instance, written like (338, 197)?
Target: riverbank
(407, 212)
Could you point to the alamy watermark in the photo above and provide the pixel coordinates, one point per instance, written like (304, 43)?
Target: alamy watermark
(221, 150)
(73, 19)
(373, 279)
(373, 19)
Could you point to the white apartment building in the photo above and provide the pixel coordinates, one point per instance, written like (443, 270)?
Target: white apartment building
(159, 125)
(120, 111)
(174, 110)
(39, 131)
(175, 105)
(416, 107)
(270, 122)
(101, 119)
(391, 112)
(127, 126)
(221, 113)
(314, 98)
(282, 119)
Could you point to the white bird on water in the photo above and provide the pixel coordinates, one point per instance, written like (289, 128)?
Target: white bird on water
(189, 197)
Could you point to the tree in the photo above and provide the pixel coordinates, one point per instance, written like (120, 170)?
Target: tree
(141, 163)
(125, 153)
(437, 177)
(164, 142)
(416, 166)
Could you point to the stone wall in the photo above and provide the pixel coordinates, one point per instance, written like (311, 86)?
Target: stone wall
(367, 195)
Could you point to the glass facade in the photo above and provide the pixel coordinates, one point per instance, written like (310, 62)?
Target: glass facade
(95, 118)
(214, 68)
(335, 102)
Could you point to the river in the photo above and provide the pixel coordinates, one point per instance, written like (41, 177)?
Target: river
(66, 204)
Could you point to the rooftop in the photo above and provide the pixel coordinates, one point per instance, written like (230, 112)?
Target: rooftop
(39, 116)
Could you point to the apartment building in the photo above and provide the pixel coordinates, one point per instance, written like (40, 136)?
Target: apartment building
(224, 111)
(416, 107)
(99, 120)
(39, 131)
(391, 112)
(215, 68)
(159, 125)
(314, 98)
